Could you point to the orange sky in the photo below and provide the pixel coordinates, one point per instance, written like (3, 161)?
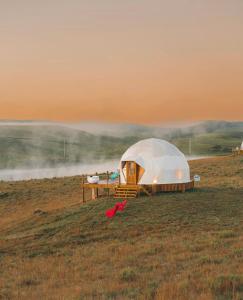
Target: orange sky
(127, 61)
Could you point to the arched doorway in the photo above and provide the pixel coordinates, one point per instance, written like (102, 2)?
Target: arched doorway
(132, 172)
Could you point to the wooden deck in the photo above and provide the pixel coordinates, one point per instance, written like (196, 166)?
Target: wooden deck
(172, 187)
(237, 152)
(103, 184)
(132, 191)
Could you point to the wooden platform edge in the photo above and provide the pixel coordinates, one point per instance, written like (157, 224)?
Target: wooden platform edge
(149, 189)
(99, 186)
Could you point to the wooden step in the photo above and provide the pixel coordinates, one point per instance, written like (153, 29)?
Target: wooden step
(117, 195)
(123, 197)
(126, 191)
(122, 190)
(129, 193)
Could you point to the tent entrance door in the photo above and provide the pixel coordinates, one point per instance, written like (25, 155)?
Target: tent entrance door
(132, 171)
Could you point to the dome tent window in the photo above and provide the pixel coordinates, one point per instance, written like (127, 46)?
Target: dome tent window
(179, 174)
(155, 181)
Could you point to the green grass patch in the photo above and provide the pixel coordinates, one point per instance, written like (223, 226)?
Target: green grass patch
(128, 274)
(227, 285)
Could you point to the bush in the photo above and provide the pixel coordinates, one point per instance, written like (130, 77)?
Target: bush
(227, 234)
(238, 252)
(131, 293)
(29, 282)
(226, 284)
(209, 260)
(128, 274)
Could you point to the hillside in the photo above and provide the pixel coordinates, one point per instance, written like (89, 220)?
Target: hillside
(53, 145)
(171, 246)
(29, 144)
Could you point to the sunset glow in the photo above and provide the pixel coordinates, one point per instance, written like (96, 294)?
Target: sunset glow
(124, 61)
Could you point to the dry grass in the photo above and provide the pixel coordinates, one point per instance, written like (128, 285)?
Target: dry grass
(172, 246)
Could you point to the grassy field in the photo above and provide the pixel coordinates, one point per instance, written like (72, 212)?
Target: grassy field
(171, 246)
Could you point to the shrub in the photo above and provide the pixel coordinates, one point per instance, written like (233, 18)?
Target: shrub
(128, 274)
(29, 282)
(227, 234)
(238, 252)
(209, 260)
(131, 293)
(227, 284)
(112, 295)
(151, 289)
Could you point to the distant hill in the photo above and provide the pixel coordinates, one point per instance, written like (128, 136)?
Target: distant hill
(49, 145)
(159, 130)
(39, 144)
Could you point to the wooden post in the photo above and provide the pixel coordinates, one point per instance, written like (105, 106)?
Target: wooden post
(97, 190)
(153, 189)
(107, 182)
(93, 193)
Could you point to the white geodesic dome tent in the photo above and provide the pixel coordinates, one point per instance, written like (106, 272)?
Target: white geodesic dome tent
(161, 162)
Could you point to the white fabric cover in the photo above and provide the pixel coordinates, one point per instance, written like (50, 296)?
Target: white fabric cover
(241, 147)
(163, 162)
(93, 179)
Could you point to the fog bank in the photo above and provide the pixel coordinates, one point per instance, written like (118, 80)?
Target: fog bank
(65, 171)
(72, 170)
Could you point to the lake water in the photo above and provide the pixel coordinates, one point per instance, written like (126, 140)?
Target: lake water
(63, 171)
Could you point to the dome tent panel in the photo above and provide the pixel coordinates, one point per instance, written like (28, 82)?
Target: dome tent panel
(162, 162)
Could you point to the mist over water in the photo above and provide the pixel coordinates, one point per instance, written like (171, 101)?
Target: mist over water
(36, 150)
(61, 171)
(65, 171)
